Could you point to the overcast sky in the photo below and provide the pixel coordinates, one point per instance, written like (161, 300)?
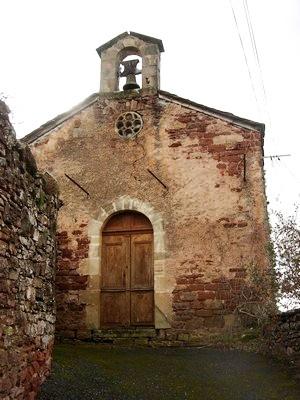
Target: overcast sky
(48, 63)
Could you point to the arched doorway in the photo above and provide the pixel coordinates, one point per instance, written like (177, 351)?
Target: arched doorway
(127, 281)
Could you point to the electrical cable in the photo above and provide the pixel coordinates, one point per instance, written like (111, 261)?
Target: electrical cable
(245, 56)
(255, 51)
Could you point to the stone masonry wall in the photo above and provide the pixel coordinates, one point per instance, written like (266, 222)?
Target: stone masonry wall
(210, 213)
(283, 335)
(28, 211)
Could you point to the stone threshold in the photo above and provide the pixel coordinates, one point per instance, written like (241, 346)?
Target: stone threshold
(136, 337)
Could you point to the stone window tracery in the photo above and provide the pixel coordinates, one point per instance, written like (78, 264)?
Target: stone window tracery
(129, 124)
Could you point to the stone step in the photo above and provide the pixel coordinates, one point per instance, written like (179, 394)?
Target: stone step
(124, 333)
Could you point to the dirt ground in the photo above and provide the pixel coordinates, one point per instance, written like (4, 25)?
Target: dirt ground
(91, 371)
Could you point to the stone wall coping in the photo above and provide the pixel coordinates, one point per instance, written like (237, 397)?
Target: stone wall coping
(144, 38)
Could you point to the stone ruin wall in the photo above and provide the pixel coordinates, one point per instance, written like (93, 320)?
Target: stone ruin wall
(213, 211)
(283, 336)
(28, 211)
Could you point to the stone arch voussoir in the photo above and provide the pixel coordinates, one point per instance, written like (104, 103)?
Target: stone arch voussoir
(96, 226)
(128, 203)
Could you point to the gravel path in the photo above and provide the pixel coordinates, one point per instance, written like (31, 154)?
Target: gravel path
(90, 371)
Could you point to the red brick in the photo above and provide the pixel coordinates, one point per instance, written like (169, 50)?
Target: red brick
(176, 144)
(188, 296)
(71, 282)
(65, 253)
(205, 142)
(204, 313)
(77, 232)
(184, 118)
(197, 304)
(5, 384)
(206, 295)
(211, 286)
(224, 295)
(223, 220)
(181, 306)
(216, 148)
(236, 269)
(62, 234)
(221, 166)
(181, 281)
(229, 225)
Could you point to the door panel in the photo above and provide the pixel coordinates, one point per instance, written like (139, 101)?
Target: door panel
(115, 309)
(142, 307)
(115, 262)
(127, 295)
(119, 222)
(140, 222)
(128, 221)
(142, 295)
(115, 279)
(141, 261)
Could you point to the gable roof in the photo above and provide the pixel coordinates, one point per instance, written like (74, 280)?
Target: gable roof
(145, 38)
(226, 116)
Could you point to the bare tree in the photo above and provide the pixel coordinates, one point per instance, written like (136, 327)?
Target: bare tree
(286, 241)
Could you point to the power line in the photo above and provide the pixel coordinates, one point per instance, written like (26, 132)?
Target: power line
(255, 51)
(254, 47)
(245, 55)
(296, 179)
(262, 105)
(277, 157)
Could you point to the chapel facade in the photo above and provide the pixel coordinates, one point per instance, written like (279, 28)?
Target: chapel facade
(164, 206)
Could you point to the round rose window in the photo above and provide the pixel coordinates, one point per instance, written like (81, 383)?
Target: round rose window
(129, 124)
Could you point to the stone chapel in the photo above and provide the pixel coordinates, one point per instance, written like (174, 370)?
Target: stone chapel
(164, 206)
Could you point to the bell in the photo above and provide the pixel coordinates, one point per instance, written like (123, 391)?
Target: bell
(131, 83)
(130, 71)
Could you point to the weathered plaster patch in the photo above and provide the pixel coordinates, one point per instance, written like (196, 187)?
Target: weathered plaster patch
(229, 138)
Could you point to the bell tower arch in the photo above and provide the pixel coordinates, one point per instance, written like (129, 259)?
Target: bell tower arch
(116, 50)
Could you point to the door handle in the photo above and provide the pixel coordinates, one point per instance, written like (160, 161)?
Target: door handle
(124, 278)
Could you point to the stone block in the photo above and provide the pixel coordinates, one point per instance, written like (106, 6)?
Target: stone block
(123, 341)
(94, 227)
(83, 335)
(94, 282)
(105, 334)
(92, 316)
(94, 264)
(185, 337)
(94, 251)
(144, 333)
(141, 342)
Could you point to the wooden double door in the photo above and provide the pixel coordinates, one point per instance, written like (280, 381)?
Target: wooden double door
(127, 281)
